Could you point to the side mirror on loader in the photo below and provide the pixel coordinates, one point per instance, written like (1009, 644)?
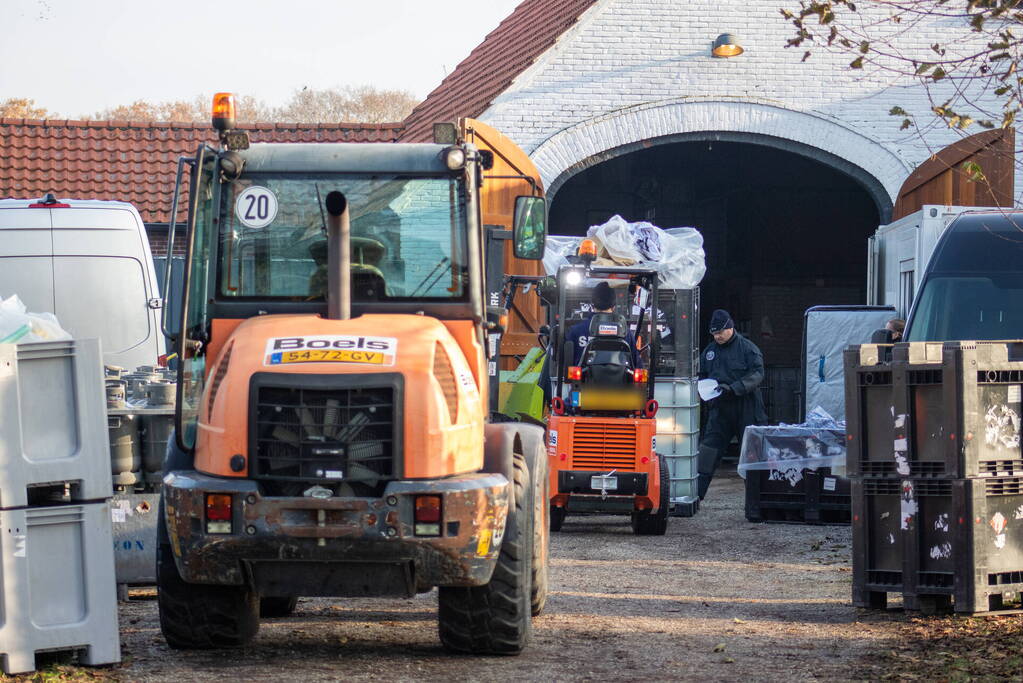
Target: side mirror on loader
(529, 232)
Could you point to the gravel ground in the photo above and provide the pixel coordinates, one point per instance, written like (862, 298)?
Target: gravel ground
(717, 598)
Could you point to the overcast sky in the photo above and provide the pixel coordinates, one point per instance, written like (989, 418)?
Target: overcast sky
(76, 57)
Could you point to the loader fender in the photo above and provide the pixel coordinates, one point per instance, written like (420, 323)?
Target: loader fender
(498, 447)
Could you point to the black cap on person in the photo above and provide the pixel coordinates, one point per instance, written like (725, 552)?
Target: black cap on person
(720, 320)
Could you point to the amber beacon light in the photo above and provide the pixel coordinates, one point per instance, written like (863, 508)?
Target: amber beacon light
(223, 111)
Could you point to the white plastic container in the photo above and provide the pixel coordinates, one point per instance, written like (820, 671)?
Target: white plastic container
(57, 585)
(53, 423)
(678, 428)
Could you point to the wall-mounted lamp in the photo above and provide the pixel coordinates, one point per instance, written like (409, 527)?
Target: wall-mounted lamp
(726, 45)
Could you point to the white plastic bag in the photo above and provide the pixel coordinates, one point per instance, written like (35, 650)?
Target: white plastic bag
(617, 238)
(18, 326)
(556, 251)
(676, 253)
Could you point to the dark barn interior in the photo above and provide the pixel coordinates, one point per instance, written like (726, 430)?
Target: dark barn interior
(782, 232)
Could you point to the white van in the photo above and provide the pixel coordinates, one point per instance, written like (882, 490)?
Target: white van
(87, 262)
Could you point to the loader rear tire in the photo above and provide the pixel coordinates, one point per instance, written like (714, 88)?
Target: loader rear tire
(199, 616)
(275, 607)
(496, 618)
(646, 523)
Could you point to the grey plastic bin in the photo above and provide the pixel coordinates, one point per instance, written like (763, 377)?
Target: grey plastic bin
(53, 423)
(57, 585)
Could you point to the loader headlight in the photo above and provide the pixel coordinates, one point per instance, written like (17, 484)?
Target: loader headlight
(454, 158)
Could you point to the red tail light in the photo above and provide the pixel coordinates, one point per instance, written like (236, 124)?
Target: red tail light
(575, 373)
(428, 515)
(640, 375)
(218, 513)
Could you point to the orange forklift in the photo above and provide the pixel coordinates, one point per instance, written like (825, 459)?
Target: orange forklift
(601, 429)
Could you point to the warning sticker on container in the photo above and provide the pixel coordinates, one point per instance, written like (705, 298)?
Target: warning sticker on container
(331, 349)
(998, 522)
(118, 516)
(829, 483)
(1014, 393)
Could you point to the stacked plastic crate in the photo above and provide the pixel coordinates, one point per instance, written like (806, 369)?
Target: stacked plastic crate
(56, 561)
(934, 453)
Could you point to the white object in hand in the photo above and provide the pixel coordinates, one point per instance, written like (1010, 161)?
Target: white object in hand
(708, 389)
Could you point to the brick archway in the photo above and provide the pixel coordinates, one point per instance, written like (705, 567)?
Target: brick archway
(878, 169)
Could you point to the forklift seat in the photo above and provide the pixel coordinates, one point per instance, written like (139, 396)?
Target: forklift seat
(607, 358)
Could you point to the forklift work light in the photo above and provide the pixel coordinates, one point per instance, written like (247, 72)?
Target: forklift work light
(573, 278)
(575, 373)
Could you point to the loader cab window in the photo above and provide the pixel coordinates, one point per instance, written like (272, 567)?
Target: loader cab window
(407, 237)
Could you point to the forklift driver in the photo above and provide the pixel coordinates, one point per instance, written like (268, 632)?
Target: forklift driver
(602, 299)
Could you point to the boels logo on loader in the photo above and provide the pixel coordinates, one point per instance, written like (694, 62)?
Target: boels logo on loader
(337, 348)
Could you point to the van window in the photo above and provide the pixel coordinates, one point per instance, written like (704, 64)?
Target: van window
(31, 278)
(969, 307)
(987, 242)
(102, 297)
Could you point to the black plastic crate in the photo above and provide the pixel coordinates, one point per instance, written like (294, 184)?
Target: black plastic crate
(801, 497)
(869, 406)
(941, 543)
(931, 409)
(878, 543)
(962, 408)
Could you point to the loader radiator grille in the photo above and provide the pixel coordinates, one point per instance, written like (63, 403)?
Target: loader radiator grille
(333, 437)
(604, 447)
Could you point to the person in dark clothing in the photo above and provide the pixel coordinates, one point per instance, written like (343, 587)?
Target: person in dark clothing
(738, 366)
(602, 299)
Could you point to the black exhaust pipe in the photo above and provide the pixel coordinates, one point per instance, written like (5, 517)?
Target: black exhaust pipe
(339, 258)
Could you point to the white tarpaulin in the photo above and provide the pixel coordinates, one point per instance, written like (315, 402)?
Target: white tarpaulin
(828, 331)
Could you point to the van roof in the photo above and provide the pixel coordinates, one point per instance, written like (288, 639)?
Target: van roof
(71, 203)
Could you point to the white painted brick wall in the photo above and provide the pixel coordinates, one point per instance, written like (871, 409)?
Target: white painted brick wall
(636, 69)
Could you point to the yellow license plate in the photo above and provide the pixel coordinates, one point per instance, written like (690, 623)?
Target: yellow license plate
(328, 356)
(610, 400)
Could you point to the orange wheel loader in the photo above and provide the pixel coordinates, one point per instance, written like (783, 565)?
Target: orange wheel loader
(333, 436)
(601, 429)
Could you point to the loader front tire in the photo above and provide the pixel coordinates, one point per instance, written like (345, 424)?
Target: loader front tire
(496, 618)
(199, 616)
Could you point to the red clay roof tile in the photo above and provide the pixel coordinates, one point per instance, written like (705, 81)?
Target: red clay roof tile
(131, 162)
(507, 51)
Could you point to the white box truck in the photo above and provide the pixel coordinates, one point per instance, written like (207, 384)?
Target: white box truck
(899, 252)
